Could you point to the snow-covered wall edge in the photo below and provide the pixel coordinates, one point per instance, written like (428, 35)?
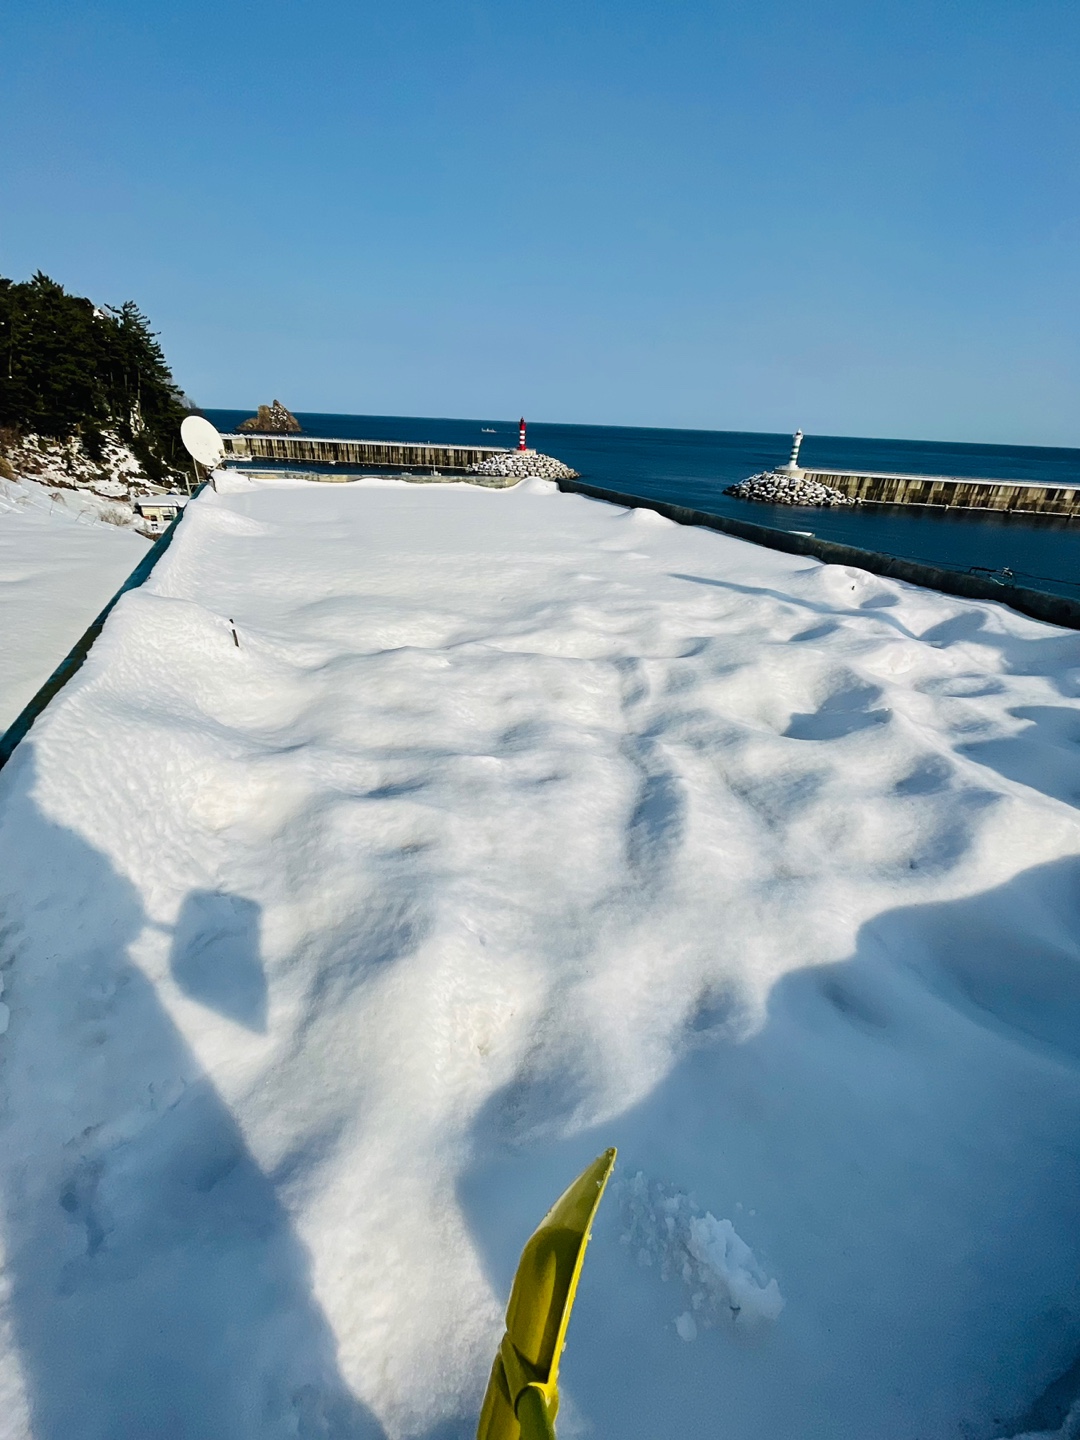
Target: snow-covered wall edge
(73, 660)
(1039, 604)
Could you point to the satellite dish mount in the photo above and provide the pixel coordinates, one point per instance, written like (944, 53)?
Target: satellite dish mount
(202, 442)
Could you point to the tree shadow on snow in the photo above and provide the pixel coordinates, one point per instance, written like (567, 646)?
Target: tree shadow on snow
(897, 1139)
(157, 1287)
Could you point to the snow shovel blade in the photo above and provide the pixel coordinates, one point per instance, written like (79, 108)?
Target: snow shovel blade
(523, 1393)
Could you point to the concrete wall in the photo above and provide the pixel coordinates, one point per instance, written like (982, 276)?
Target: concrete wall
(966, 494)
(398, 453)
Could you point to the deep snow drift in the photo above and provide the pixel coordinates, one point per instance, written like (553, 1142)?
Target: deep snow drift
(60, 564)
(515, 826)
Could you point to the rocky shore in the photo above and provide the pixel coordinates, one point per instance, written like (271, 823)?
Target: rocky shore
(772, 487)
(524, 465)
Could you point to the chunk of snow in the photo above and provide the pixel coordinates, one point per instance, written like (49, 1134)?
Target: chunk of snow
(718, 1268)
(727, 1267)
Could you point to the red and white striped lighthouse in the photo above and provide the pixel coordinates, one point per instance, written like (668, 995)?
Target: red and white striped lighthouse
(521, 434)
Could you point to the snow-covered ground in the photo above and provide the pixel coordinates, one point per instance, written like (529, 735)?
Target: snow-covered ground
(515, 826)
(60, 564)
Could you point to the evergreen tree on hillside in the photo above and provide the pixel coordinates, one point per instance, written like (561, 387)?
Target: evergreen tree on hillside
(68, 369)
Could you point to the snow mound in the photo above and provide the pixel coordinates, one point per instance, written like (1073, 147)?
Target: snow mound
(536, 486)
(651, 519)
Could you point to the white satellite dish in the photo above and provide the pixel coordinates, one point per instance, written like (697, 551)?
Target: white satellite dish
(201, 440)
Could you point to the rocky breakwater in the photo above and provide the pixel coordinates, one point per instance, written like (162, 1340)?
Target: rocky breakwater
(772, 487)
(522, 465)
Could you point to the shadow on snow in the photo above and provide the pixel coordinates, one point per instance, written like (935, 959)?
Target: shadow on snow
(157, 1287)
(906, 1126)
(215, 956)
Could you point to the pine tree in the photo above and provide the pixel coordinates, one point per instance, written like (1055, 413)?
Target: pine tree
(69, 370)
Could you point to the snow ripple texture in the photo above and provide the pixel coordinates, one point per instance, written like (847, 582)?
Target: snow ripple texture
(523, 465)
(511, 826)
(774, 488)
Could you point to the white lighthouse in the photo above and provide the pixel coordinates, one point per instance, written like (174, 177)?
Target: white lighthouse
(792, 466)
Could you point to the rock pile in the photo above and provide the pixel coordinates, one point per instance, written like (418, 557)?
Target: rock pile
(272, 420)
(774, 488)
(523, 465)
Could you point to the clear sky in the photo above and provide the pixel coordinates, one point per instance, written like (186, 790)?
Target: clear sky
(858, 216)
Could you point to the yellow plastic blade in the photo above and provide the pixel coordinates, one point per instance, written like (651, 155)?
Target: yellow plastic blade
(523, 1394)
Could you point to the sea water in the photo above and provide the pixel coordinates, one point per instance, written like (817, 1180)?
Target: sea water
(693, 467)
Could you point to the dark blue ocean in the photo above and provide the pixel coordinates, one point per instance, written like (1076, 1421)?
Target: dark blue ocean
(692, 467)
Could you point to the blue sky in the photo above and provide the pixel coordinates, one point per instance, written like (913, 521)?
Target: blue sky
(858, 216)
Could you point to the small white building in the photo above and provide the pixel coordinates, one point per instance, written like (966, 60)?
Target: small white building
(159, 511)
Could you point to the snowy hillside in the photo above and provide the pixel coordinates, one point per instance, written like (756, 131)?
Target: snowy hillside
(60, 564)
(515, 826)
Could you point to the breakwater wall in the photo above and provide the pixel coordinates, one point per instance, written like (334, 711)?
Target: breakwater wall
(398, 454)
(1019, 496)
(1055, 609)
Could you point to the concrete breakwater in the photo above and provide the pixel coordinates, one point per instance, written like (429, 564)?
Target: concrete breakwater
(494, 468)
(948, 492)
(401, 454)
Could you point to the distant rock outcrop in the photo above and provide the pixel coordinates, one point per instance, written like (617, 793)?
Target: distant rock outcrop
(272, 420)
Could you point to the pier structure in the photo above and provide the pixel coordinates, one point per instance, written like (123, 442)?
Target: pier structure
(946, 492)
(1024, 497)
(398, 454)
(871, 487)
